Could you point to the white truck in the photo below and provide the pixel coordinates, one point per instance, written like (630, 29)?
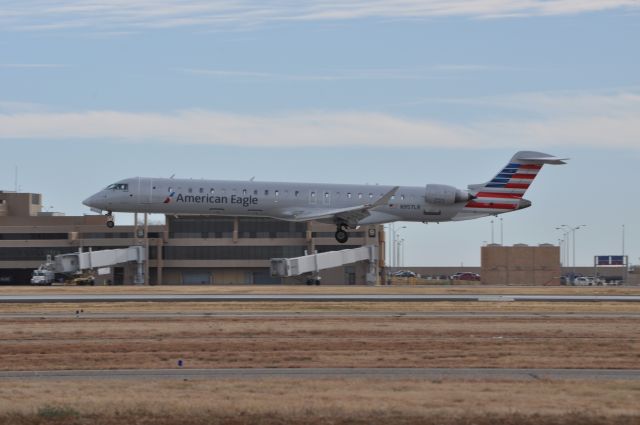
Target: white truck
(42, 276)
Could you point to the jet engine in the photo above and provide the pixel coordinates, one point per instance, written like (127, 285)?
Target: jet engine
(445, 195)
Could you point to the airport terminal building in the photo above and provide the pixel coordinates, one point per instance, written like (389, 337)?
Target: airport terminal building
(185, 250)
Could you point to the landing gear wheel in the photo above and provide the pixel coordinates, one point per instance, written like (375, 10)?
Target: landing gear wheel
(342, 236)
(109, 218)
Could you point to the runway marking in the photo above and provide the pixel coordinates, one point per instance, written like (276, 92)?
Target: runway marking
(495, 298)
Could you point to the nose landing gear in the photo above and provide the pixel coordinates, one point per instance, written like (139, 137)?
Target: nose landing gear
(110, 218)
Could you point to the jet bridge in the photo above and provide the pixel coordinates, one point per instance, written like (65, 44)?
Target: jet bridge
(78, 261)
(313, 263)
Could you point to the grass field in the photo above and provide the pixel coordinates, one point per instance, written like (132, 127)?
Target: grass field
(276, 401)
(324, 289)
(50, 336)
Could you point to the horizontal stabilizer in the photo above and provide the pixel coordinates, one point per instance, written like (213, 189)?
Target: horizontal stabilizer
(527, 157)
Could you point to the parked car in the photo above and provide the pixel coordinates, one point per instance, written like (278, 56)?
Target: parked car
(404, 273)
(465, 276)
(586, 281)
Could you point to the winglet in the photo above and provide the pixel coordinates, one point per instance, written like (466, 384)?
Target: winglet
(384, 199)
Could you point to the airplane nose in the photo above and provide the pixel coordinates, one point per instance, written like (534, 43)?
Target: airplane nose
(89, 201)
(94, 202)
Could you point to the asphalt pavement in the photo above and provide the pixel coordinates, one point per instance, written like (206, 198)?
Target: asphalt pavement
(329, 373)
(98, 298)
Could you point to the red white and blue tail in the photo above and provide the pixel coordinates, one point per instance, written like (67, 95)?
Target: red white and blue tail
(505, 191)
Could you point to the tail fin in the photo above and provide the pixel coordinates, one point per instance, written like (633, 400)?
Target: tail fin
(505, 191)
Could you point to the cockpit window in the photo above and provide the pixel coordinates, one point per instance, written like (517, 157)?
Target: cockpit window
(118, 186)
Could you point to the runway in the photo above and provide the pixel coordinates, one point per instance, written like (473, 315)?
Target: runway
(329, 373)
(106, 298)
(312, 315)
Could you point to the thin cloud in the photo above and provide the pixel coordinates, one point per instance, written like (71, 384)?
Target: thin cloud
(31, 65)
(435, 72)
(100, 15)
(12, 107)
(550, 104)
(611, 121)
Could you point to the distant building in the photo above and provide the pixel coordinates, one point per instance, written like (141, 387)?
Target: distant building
(520, 265)
(187, 250)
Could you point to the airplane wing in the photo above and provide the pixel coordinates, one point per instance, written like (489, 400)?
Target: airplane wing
(350, 215)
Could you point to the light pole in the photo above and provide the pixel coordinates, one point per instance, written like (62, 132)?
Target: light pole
(564, 247)
(573, 236)
(396, 234)
(560, 243)
(390, 230)
(492, 241)
(501, 233)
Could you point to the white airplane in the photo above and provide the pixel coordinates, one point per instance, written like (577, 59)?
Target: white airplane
(345, 205)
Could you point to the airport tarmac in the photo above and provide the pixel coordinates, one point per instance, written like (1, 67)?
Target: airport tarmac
(285, 297)
(510, 374)
(310, 315)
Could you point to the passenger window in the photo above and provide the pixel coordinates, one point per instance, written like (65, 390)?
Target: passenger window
(402, 197)
(244, 191)
(190, 190)
(297, 192)
(255, 191)
(212, 190)
(326, 195)
(349, 195)
(313, 194)
(266, 192)
(202, 190)
(359, 195)
(277, 193)
(371, 195)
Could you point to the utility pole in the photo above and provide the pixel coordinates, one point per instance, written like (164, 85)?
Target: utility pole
(492, 240)
(573, 236)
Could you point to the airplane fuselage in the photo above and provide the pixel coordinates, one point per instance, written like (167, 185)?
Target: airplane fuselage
(345, 205)
(266, 199)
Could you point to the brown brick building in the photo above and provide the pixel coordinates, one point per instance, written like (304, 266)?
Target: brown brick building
(185, 250)
(520, 265)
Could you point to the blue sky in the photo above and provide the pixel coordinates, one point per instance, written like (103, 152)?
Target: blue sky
(391, 92)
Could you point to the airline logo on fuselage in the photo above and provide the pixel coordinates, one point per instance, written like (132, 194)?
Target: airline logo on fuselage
(245, 201)
(168, 198)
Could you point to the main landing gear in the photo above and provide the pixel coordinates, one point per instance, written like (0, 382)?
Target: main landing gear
(110, 222)
(341, 234)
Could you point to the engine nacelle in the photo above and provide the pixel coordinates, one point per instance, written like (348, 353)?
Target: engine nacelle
(445, 195)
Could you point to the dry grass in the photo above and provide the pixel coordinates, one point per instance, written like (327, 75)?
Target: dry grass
(323, 307)
(44, 341)
(321, 401)
(324, 289)
(222, 342)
